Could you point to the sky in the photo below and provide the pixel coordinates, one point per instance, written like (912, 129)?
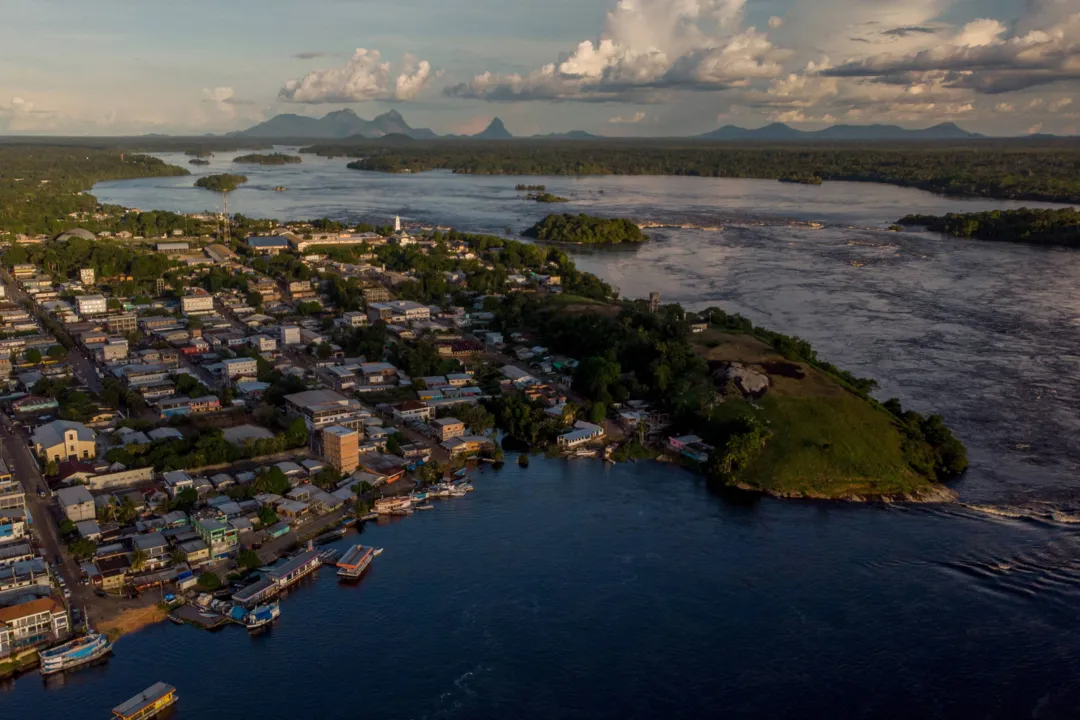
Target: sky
(611, 67)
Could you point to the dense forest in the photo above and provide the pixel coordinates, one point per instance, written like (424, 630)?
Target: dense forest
(64, 259)
(586, 230)
(1018, 169)
(42, 186)
(222, 182)
(268, 159)
(1034, 227)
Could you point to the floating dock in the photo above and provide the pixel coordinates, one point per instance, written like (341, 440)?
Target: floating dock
(147, 704)
(199, 617)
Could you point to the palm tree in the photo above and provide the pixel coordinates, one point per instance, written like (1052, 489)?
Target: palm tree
(138, 559)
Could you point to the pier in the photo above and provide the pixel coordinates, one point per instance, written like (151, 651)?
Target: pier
(199, 617)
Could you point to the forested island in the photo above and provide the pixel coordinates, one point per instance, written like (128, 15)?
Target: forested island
(1014, 170)
(1034, 227)
(222, 182)
(268, 159)
(585, 229)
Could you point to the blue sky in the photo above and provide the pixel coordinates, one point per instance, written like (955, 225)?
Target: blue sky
(615, 67)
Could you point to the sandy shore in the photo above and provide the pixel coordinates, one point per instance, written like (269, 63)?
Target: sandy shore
(130, 620)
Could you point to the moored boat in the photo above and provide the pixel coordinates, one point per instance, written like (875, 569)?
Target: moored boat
(260, 616)
(147, 704)
(330, 536)
(356, 560)
(393, 505)
(72, 654)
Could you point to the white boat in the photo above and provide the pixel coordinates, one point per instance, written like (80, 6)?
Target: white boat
(393, 506)
(260, 616)
(72, 654)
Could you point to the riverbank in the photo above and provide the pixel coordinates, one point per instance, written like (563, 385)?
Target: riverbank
(129, 619)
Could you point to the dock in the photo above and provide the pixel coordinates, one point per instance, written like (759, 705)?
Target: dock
(200, 618)
(146, 704)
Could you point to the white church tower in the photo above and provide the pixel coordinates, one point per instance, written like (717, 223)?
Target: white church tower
(397, 223)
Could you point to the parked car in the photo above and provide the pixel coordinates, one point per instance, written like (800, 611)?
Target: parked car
(67, 594)
(59, 560)
(101, 593)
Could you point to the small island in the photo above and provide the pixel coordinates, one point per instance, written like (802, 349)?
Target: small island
(586, 230)
(198, 161)
(1033, 227)
(546, 197)
(222, 182)
(268, 159)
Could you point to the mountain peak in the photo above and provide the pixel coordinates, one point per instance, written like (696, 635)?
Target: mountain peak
(391, 115)
(495, 130)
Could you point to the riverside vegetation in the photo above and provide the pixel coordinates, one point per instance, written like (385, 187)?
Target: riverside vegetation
(1014, 170)
(1034, 227)
(585, 229)
(222, 182)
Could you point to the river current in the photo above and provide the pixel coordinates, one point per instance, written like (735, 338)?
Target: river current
(573, 590)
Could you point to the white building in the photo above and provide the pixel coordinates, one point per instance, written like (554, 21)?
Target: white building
(290, 335)
(86, 276)
(91, 304)
(114, 350)
(240, 367)
(398, 311)
(197, 302)
(77, 503)
(263, 343)
(355, 319)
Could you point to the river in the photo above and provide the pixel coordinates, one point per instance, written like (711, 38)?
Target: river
(573, 590)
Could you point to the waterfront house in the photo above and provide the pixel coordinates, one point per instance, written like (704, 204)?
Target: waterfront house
(466, 445)
(293, 510)
(29, 624)
(220, 536)
(582, 433)
(446, 428)
(691, 447)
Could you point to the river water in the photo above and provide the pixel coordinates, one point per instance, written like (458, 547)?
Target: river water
(573, 590)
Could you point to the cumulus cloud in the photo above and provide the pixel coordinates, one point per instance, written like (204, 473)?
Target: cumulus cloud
(987, 57)
(365, 77)
(645, 45)
(635, 118)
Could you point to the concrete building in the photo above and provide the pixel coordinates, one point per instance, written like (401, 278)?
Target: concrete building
(354, 319)
(220, 536)
(263, 343)
(33, 623)
(64, 440)
(197, 302)
(290, 335)
(413, 410)
(240, 367)
(268, 244)
(122, 323)
(398, 311)
(12, 524)
(341, 448)
(323, 408)
(582, 433)
(114, 350)
(77, 503)
(446, 428)
(12, 495)
(86, 276)
(375, 293)
(91, 304)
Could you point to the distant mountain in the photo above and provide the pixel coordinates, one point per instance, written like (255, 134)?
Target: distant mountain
(572, 135)
(495, 131)
(780, 131)
(336, 125)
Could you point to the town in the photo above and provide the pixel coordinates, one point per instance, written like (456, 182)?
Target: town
(185, 415)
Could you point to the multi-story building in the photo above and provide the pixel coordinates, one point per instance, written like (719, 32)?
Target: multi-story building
(12, 524)
(240, 367)
(91, 304)
(33, 623)
(122, 323)
(398, 311)
(413, 410)
(220, 536)
(375, 293)
(12, 495)
(300, 289)
(379, 373)
(263, 343)
(77, 503)
(86, 276)
(197, 302)
(267, 288)
(24, 270)
(290, 335)
(114, 350)
(354, 319)
(323, 408)
(446, 428)
(341, 448)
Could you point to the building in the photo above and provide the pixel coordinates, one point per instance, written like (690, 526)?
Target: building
(341, 448)
(263, 343)
(582, 433)
(302, 244)
(300, 289)
(76, 503)
(114, 350)
(195, 551)
(446, 428)
(33, 623)
(64, 440)
(375, 293)
(91, 304)
(290, 335)
(691, 447)
(197, 302)
(354, 319)
(323, 408)
(413, 410)
(220, 536)
(240, 367)
(12, 524)
(122, 323)
(398, 311)
(172, 247)
(12, 495)
(86, 276)
(268, 244)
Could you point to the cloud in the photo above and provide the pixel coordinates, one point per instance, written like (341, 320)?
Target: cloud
(776, 22)
(646, 45)
(910, 30)
(365, 77)
(620, 120)
(310, 55)
(986, 57)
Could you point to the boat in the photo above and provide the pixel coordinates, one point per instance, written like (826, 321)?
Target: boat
(72, 654)
(425, 507)
(146, 704)
(393, 505)
(356, 560)
(280, 188)
(330, 536)
(259, 617)
(459, 473)
(418, 497)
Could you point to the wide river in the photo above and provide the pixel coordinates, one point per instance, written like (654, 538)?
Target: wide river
(572, 590)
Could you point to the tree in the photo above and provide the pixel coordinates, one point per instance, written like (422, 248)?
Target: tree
(324, 351)
(83, 548)
(597, 413)
(273, 481)
(67, 528)
(267, 516)
(52, 469)
(327, 478)
(594, 375)
(248, 559)
(393, 443)
(33, 356)
(254, 299)
(209, 581)
(138, 559)
(57, 352)
(185, 500)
